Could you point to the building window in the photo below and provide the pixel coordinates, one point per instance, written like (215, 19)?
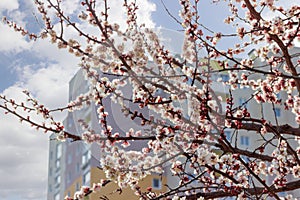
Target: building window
(50, 171)
(86, 178)
(214, 77)
(189, 82)
(69, 177)
(57, 180)
(86, 157)
(51, 155)
(282, 194)
(57, 196)
(87, 113)
(245, 140)
(58, 151)
(277, 112)
(245, 159)
(77, 167)
(278, 95)
(156, 183)
(77, 188)
(70, 122)
(69, 158)
(88, 119)
(57, 164)
(227, 135)
(224, 77)
(50, 188)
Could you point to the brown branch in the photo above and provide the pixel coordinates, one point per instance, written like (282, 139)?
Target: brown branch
(282, 46)
(251, 191)
(282, 129)
(28, 120)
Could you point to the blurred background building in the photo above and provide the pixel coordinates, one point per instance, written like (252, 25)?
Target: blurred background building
(74, 164)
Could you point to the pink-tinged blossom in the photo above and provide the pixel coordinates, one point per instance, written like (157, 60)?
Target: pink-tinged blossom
(79, 195)
(61, 136)
(96, 187)
(186, 129)
(176, 167)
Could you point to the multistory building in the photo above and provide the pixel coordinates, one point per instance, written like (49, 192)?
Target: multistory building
(56, 169)
(77, 164)
(73, 164)
(243, 98)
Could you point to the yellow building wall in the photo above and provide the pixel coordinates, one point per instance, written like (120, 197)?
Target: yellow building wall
(110, 190)
(72, 188)
(127, 194)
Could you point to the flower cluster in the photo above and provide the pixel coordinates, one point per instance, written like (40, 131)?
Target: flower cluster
(186, 126)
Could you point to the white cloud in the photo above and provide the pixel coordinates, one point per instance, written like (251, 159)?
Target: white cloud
(24, 151)
(22, 173)
(144, 12)
(9, 5)
(48, 83)
(70, 6)
(12, 41)
(117, 12)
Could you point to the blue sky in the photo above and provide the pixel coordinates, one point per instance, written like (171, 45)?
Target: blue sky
(45, 71)
(10, 56)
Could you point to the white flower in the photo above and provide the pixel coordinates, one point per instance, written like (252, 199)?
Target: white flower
(61, 136)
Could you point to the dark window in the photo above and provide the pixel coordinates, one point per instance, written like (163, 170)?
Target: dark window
(77, 186)
(51, 155)
(245, 140)
(277, 112)
(50, 171)
(224, 77)
(156, 183)
(57, 164)
(228, 135)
